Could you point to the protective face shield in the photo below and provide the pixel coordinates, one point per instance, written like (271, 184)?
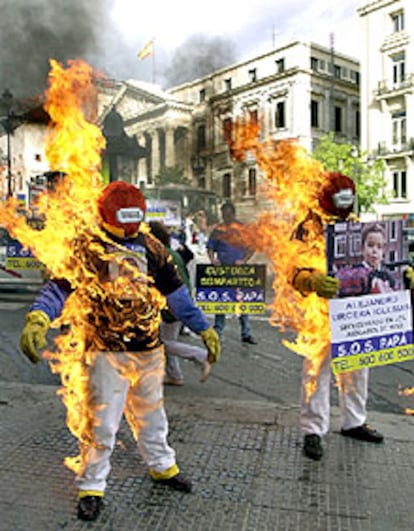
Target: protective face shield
(338, 195)
(122, 208)
(343, 198)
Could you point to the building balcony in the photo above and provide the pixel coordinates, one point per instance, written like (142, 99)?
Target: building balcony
(388, 89)
(402, 149)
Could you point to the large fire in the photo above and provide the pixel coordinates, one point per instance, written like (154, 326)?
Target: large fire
(71, 244)
(293, 181)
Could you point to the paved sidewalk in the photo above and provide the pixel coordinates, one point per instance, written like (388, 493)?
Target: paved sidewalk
(245, 460)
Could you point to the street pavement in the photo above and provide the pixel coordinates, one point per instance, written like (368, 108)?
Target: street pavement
(237, 436)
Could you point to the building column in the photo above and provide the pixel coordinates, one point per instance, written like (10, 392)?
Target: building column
(155, 153)
(169, 147)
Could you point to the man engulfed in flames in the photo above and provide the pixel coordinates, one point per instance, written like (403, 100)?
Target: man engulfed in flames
(292, 237)
(109, 280)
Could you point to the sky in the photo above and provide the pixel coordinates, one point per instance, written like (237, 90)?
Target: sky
(254, 25)
(109, 33)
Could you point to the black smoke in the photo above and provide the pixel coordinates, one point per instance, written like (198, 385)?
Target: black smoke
(199, 56)
(33, 31)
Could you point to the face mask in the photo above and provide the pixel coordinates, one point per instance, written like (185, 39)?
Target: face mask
(343, 199)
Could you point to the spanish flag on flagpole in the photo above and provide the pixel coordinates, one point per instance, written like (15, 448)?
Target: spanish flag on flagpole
(147, 50)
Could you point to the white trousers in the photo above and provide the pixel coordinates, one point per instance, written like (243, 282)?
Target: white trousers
(176, 349)
(142, 402)
(314, 417)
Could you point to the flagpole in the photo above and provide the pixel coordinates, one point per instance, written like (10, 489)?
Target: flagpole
(153, 60)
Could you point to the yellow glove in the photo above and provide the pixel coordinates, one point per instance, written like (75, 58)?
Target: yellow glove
(323, 285)
(33, 337)
(211, 340)
(409, 277)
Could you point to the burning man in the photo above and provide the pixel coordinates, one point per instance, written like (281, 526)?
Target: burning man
(336, 201)
(128, 270)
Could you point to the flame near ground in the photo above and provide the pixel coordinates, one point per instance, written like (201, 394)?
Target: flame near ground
(71, 242)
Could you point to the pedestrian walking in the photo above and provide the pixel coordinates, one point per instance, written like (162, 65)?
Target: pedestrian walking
(222, 251)
(170, 326)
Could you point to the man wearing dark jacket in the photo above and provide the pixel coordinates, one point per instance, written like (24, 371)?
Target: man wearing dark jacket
(127, 274)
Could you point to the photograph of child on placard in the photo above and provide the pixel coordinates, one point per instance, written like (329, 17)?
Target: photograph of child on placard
(367, 257)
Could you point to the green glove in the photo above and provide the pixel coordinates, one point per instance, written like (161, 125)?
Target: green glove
(211, 340)
(323, 285)
(33, 337)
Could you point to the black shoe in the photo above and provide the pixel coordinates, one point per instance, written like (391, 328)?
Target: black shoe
(177, 482)
(364, 433)
(249, 340)
(312, 446)
(89, 507)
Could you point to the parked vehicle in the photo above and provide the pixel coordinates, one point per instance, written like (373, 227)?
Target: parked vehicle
(18, 267)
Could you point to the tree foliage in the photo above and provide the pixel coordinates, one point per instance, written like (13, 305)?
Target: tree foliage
(171, 175)
(368, 175)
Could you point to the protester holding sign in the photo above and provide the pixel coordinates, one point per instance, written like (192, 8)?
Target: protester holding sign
(222, 251)
(336, 200)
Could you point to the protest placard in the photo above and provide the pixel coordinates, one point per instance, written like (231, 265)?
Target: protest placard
(231, 289)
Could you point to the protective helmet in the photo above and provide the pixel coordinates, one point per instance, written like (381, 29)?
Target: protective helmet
(122, 208)
(338, 195)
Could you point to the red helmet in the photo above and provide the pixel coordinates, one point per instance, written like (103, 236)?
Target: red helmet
(122, 208)
(338, 195)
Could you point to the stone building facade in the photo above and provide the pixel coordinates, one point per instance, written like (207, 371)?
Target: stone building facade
(387, 97)
(301, 90)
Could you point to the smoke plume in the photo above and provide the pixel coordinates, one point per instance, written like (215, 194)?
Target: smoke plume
(33, 31)
(199, 56)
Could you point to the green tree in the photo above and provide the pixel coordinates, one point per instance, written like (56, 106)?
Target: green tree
(368, 175)
(171, 175)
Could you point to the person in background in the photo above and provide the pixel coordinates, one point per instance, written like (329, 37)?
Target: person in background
(221, 252)
(125, 269)
(171, 326)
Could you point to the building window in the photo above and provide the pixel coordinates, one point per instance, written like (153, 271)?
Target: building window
(354, 76)
(357, 123)
(252, 181)
(280, 66)
(314, 63)
(393, 231)
(399, 182)
(202, 95)
(338, 119)
(397, 21)
(399, 128)
(398, 68)
(314, 113)
(226, 185)
(280, 120)
(227, 129)
(227, 84)
(252, 75)
(337, 72)
(201, 137)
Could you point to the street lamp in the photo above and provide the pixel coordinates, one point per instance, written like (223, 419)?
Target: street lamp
(7, 123)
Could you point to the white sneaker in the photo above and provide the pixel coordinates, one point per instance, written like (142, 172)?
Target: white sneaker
(205, 371)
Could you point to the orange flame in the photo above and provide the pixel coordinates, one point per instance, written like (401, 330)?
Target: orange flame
(408, 391)
(293, 181)
(72, 246)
